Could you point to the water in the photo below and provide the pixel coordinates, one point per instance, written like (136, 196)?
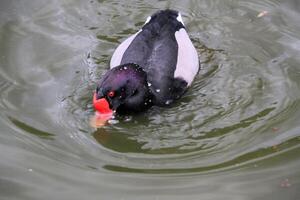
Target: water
(234, 135)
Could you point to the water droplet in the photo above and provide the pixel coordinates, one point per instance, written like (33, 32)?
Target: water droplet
(113, 121)
(125, 67)
(157, 90)
(262, 14)
(30, 170)
(149, 84)
(168, 102)
(285, 183)
(128, 118)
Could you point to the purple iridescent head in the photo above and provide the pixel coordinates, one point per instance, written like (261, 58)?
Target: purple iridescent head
(125, 89)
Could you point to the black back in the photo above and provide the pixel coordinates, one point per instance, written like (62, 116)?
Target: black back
(155, 49)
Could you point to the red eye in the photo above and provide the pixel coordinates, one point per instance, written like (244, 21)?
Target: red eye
(111, 94)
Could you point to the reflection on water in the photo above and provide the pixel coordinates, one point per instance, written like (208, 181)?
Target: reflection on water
(234, 135)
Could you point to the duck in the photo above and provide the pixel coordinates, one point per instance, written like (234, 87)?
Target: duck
(153, 67)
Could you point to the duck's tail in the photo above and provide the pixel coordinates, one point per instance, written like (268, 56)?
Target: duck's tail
(167, 16)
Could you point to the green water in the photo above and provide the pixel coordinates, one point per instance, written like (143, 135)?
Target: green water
(234, 135)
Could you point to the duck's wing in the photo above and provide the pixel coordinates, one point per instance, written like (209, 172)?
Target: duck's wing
(119, 52)
(187, 65)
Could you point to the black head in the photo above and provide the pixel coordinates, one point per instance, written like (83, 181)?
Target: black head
(125, 88)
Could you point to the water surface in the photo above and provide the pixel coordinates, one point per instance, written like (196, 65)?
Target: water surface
(234, 135)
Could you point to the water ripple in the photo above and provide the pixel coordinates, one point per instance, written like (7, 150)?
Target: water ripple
(240, 114)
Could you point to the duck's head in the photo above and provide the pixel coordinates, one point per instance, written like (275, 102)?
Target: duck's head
(123, 89)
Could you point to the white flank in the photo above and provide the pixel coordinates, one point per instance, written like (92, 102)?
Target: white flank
(187, 60)
(148, 20)
(119, 52)
(179, 18)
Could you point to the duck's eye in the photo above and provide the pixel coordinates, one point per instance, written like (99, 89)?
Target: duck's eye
(111, 94)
